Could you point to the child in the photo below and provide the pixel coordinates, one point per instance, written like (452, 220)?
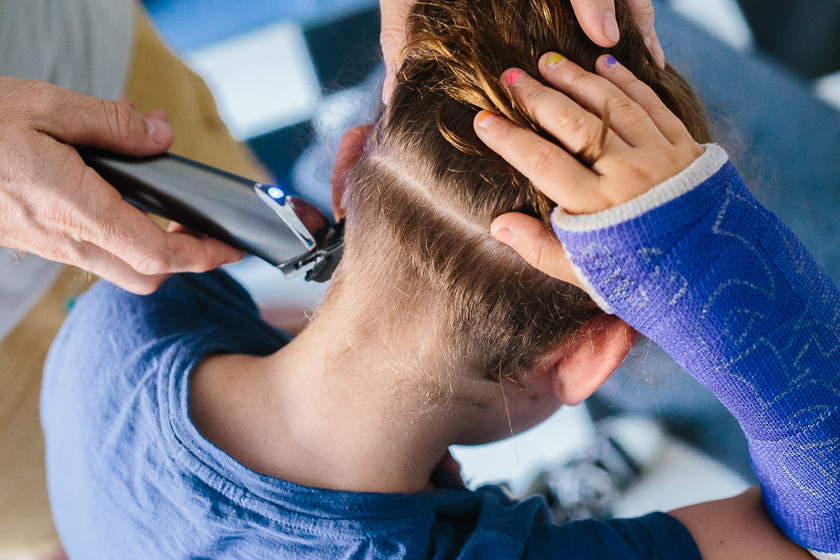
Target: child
(179, 425)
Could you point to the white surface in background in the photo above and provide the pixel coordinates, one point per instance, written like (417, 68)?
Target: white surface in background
(265, 79)
(680, 477)
(721, 18)
(269, 287)
(336, 110)
(261, 81)
(517, 460)
(24, 279)
(827, 88)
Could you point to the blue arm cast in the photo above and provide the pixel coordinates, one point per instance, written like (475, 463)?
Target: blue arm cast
(718, 281)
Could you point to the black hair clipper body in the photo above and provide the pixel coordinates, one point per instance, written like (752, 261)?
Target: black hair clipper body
(259, 219)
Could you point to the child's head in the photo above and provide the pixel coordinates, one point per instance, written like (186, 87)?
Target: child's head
(422, 272)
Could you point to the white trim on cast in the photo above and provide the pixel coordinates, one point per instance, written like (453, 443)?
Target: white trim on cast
(692, 176)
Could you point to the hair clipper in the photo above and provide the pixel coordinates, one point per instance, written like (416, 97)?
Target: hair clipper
(259, 219)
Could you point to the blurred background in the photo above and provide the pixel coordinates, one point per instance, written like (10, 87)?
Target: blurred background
(281, 71)
(289, 77)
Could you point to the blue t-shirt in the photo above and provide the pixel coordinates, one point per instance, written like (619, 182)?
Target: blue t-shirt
(131, 477)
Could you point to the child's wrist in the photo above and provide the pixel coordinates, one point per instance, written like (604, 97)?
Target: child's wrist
(569, 229)
(704, 167)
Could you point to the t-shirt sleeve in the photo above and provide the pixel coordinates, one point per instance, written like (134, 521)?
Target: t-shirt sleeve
(652, 537)
(110, 401)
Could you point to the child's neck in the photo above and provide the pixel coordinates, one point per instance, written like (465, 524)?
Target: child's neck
(310, 417)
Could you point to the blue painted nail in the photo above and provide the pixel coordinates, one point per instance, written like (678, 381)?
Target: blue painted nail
(611, 62)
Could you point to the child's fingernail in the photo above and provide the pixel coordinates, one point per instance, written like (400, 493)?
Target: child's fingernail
(611, 27)
(648, 42)
(554, 60)
(503, 235)
(611, 62)
(486, 119)
(512, 76)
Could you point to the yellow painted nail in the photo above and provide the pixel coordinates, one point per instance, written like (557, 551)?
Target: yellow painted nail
(554, 60)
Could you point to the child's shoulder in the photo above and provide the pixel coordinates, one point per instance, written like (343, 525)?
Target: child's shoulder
(116, 345)
(110, 329)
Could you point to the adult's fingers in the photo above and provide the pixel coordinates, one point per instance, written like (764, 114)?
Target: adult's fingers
(597, 95)
(561, 177)
(666, 122)
(125, 232)
(388, 85)
(103, 264)
(394, 15)
(643, 15)
(75, 118)
(597, 18)
(158, 115)
(527, 236)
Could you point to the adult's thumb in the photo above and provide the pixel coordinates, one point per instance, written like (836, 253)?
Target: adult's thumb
(527, 236)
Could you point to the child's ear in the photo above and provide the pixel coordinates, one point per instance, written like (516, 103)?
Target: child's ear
(349, 151)
(583, 364)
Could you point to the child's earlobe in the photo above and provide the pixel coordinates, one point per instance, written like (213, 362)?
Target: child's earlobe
(349, 151)
(591, 357)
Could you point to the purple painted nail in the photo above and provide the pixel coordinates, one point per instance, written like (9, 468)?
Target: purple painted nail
(611, 62)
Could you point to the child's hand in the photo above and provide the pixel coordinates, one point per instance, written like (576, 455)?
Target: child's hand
(645, 145)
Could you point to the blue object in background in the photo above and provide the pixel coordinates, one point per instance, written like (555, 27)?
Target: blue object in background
(785, 141)
(190, 24)
(342, 37)
(807, 39)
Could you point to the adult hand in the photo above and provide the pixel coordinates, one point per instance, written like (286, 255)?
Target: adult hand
(53, 205)
(394, 15)
(596, 17)
(645, 145)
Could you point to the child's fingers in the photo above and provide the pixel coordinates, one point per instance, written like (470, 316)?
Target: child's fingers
(667, 122)
(554, 171)
(572, 125)
(596, 95)
(527, 236)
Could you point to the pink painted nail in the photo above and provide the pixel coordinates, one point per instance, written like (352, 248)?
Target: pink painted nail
(512, 76)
